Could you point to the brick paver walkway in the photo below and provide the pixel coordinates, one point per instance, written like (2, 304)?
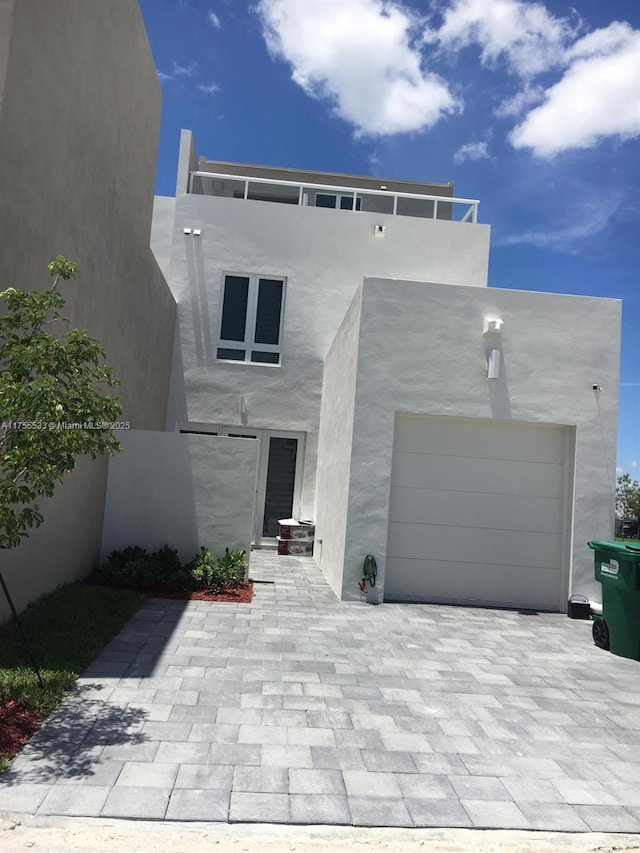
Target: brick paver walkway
(302, 709)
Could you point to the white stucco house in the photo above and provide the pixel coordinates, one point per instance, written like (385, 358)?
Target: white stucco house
(337, 340)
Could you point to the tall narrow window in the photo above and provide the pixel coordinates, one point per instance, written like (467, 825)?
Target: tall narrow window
(251, 319)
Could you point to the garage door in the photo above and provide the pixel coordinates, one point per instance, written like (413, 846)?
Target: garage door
(476, 513)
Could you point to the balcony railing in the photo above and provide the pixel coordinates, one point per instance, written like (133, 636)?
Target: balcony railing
(336, 197)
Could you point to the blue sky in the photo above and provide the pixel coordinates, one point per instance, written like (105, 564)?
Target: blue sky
(531, 107)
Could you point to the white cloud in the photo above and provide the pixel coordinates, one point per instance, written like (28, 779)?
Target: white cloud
(518, 103)
(214, 20)
(472, 151)
(209, 88)
(184, 70)
(525, 35)
(583, 221)
(360, 54)
(178, 70)
(188, 70)
(633, 463)
(605, 40)
(598, 96)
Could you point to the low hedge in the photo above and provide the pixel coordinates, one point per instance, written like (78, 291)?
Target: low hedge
(163, 570)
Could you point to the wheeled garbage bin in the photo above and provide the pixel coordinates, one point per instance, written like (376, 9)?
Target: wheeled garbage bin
(617, 567)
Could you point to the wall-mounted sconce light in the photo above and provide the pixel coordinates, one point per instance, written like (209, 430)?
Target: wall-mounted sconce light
(597, 388)
(379, 230)
(492, 324)
(492, 332)
(196, 232)
(493, 364)
(187, 230)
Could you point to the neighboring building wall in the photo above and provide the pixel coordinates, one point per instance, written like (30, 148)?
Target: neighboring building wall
(162, 232)
(180, 490)
(187, 161)
(79, 123)
(334, 445)
(6, 28)
(323, 254)
(421, 350)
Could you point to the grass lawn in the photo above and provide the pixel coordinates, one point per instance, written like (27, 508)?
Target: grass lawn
(66, 630)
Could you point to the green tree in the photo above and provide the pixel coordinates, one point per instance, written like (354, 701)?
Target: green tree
(55, 402)
(628, 497)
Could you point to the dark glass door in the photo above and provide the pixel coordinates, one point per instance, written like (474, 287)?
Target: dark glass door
(281, 475)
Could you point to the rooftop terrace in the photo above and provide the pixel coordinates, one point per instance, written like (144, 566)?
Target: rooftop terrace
(331, 190)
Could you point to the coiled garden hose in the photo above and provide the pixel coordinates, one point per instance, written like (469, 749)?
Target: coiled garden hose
(369, 572)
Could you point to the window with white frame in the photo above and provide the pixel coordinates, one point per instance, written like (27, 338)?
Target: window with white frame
(251, 319)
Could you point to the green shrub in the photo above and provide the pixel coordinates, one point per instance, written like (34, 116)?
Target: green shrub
(120, 559)
(202, 569)
(131, 568)
(163, 570)
(167, 561)
(167, 572)
(232, 567)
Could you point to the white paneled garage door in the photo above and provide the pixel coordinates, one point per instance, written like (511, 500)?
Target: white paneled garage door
(477, 513)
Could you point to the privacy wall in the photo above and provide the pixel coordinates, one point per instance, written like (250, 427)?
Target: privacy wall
(180, 490)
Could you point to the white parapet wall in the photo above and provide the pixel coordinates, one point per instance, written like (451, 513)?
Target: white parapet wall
(181, 490)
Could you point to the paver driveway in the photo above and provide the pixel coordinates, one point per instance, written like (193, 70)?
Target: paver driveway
(299, 708)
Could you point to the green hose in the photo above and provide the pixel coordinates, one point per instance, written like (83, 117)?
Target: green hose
(369, 570)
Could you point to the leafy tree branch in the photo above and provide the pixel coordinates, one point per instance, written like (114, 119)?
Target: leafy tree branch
(627, 497)
(56, 402)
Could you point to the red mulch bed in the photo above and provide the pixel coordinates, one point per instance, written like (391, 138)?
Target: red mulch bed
(241, 595)
(17, 726)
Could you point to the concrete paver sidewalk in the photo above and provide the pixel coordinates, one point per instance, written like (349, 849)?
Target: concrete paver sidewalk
(302, 709)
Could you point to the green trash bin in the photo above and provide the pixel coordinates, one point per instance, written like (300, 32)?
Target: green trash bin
(617, 567)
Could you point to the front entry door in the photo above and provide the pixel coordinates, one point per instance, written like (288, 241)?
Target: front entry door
(279, 481)
(279, 491)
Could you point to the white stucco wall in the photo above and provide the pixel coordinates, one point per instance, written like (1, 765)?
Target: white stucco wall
(162, 232)
(180, 490)
(187, 161)
(323, 254)
(421, 350)
(334, 445)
